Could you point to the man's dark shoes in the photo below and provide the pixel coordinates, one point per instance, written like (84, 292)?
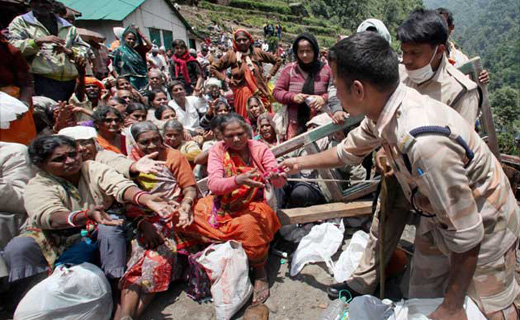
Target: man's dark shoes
(334, 289)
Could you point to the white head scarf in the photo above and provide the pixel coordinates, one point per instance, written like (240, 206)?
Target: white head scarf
(79, 133)
(378, 25)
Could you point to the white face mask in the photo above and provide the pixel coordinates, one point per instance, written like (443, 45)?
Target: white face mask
(422, 74)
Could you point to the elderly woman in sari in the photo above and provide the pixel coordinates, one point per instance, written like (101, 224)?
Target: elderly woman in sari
(152, 264)
(267, 130)
(130, 57)
(68, 195)
(247, 73)
(255, 108)
(239, 169)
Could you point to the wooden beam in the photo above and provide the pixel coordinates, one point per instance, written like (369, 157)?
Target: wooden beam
(359, 190)
(313, 135)
(473, 68)
(324, 212)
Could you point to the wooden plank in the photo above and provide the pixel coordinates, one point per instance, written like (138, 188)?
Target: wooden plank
(473, 68)
(512, 161)
(333, 188)
(359, 190)
(324, 212)
(313, 135)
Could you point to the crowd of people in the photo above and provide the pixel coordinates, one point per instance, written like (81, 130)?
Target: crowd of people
(114, 142)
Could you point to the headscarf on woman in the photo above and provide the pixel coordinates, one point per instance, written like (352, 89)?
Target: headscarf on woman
(312, 69)
(129, 62)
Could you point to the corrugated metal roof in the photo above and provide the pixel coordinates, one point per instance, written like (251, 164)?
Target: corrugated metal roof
(116, 10)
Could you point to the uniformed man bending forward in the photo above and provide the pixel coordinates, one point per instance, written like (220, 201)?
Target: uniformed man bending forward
(465, 243)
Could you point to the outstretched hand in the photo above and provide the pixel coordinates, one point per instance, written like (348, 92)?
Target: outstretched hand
(99, 216)
(147, 164)
(291, 166)
(247, 179)
(163, 208)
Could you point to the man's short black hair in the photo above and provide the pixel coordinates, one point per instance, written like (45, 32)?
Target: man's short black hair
(423, 26)
(447, 15)
(366, 56)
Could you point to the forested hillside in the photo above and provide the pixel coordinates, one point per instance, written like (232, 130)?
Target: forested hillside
(491, 29)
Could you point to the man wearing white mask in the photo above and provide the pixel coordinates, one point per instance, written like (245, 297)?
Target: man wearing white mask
(425, 67)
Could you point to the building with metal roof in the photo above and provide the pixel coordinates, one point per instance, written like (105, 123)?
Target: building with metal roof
(158, 19)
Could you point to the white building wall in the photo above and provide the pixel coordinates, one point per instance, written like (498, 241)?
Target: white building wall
(103, 27)
(157, 14)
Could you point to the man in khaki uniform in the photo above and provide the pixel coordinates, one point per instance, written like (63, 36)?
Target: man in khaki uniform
(423, 36)
(465, 241)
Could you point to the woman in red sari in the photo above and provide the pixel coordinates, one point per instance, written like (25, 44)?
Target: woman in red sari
(239, 169)
(152, 264)
(247, 73)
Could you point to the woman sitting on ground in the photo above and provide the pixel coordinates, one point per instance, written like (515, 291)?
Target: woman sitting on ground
(217, 107)
(108, 122)
(173, 133)
(255, 108)
(165, 113)
(68, 195)
(238, 209)
(135, 113)
(156, 99)
(152, 265)
(267, 131)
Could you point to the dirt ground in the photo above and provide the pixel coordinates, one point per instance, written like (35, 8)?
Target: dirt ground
(300, 297)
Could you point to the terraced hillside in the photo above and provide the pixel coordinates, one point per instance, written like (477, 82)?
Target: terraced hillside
(254, 14)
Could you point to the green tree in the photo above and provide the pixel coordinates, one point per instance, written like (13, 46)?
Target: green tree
(506, 106)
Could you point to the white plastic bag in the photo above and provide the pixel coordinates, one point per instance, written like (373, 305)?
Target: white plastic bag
(78, 293)
(319, 245)
(368, 307)
(10, 109)
(349, 259)
(228, 271)
(418, 309)
(281, 120)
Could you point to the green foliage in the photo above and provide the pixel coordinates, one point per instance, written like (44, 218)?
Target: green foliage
(267, 6)
(491, 29)
(506, 106)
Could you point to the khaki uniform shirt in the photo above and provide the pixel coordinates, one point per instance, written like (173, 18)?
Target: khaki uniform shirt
(471, 205)
(451, 87)
(99, 185)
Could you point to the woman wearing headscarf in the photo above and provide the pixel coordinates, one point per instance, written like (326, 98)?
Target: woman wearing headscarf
(303, 85)
(247, 73)
(130, 57)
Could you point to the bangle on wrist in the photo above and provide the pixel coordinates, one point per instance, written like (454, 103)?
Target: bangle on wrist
(71, 217)
(136, 198)
(139, 223)
(236, 180)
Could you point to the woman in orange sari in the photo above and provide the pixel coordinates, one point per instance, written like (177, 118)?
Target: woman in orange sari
(108, 122)
(247, 73)
(239, 169)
